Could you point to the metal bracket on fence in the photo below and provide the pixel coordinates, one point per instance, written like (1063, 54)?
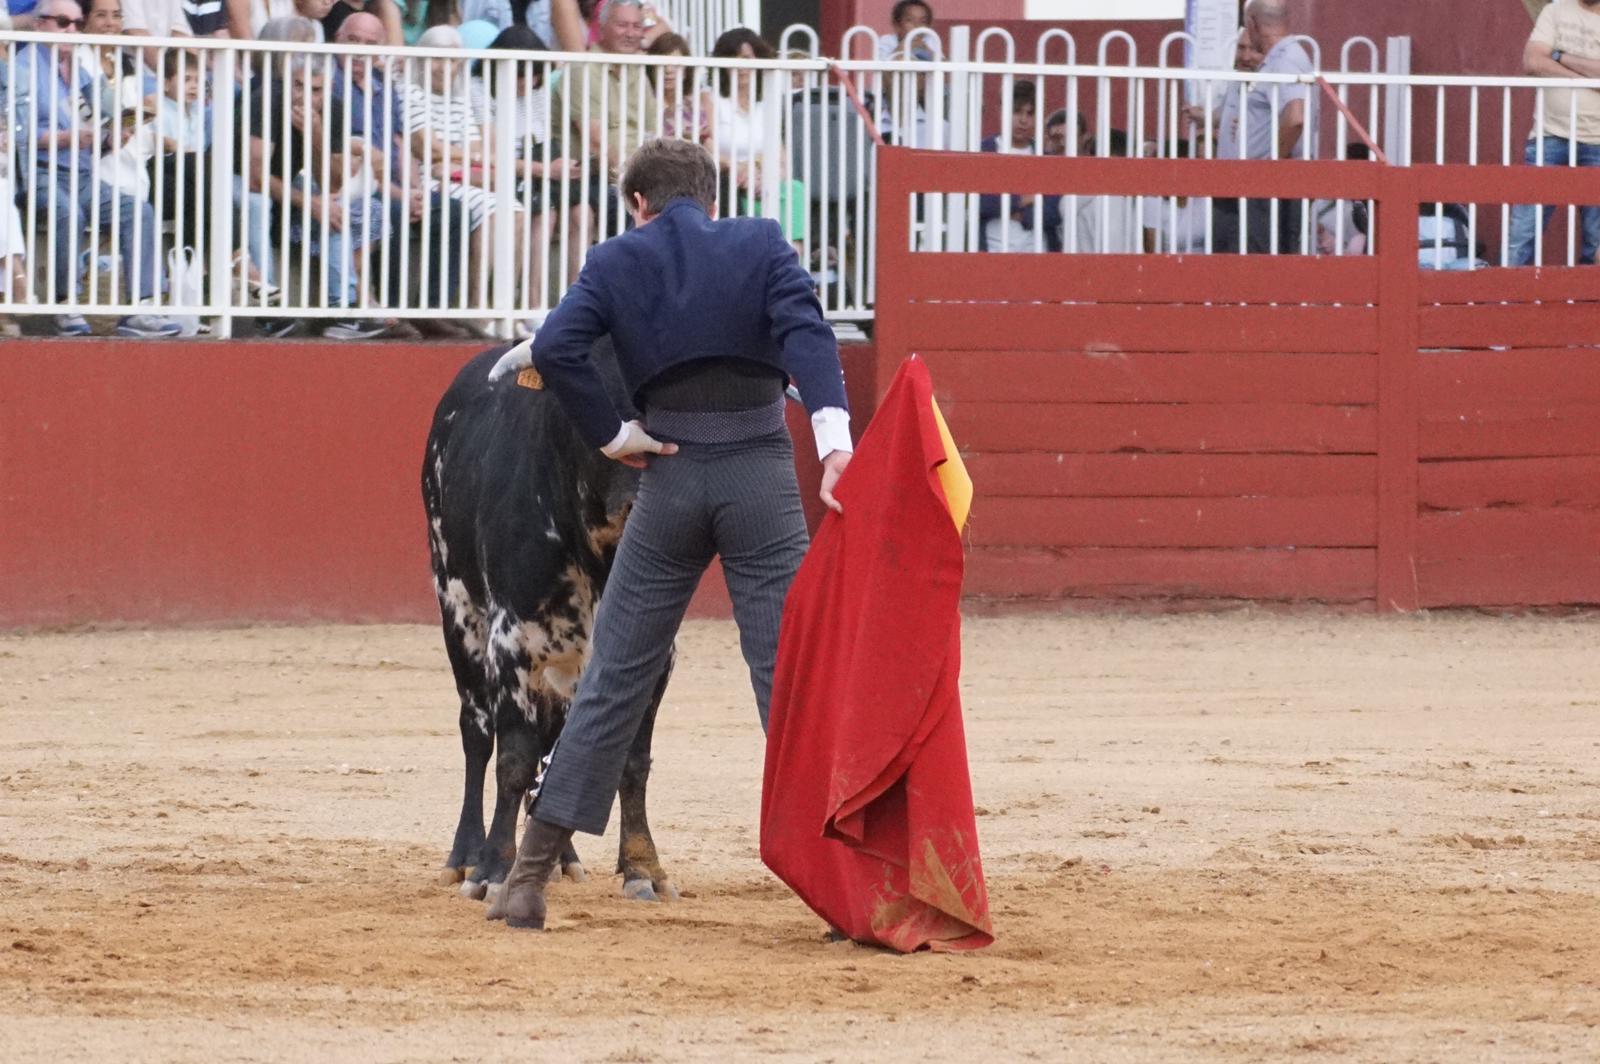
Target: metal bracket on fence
(1355, 123)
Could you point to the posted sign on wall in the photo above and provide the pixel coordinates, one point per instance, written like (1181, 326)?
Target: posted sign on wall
(1214, 25)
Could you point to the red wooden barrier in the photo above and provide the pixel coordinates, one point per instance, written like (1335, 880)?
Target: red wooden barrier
(225, 482)
(1291, 428)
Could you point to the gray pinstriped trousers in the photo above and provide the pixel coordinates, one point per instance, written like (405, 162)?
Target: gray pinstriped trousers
(739, 500)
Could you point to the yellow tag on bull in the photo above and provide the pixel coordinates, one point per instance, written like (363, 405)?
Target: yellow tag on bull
(529, 378)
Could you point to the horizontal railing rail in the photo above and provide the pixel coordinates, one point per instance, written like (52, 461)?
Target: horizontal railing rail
(205, 183)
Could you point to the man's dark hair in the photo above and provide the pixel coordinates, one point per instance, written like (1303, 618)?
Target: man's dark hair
(1057, 118)
(727, 47)
(1024, 94)
(665, 169)
(903, 6)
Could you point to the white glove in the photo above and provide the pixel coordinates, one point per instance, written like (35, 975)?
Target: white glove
(515, 360)
(631, 441)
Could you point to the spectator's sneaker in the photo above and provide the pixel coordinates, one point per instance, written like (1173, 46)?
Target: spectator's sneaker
(355, 329)
(148, 327)
(276, 328)
(72, 325)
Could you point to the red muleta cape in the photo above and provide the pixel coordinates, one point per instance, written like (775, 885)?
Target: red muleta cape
(866, 805)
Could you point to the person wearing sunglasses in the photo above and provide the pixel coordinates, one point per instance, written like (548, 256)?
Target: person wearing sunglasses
(55, 107)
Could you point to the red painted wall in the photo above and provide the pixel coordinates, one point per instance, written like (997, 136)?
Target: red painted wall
(225, 482)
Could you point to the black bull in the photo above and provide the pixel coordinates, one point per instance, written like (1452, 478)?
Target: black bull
(523, 524)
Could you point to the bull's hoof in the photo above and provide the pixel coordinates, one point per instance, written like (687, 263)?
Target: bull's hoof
(644, 890)
(574, 872)
(492, 895)
(639, 890)
(449, 877)
(475, 889)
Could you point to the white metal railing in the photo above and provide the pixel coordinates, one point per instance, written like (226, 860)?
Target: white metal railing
(334, 186)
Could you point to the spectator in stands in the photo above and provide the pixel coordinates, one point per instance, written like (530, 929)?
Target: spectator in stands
(1007, 223)
(1565, 44)
(378, 135)
(1221, 139)
(541, 183)
(1278, 124)
(1055, 134)
(1177, 225)
(1106, 225)
(685, 111)
(387, 12)
(908, 15)
(615, 125)
(125, 79)
(52, 93)
(349, 215)
(455, 148)
(739, 136)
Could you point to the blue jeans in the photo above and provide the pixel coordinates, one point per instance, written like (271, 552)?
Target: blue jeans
(1523, 225)
(336, 261)
(141, 265)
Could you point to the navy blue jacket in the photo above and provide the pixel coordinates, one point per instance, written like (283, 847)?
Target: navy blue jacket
(683, 288)
(989, 210)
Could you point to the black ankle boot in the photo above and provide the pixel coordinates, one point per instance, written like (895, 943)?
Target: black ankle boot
(521, 900)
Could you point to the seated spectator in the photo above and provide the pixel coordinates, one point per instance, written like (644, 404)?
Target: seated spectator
(455, 149)
(1055, 134)
(49, 85)
(908, 15)
(125, 81)
(739, 137)
(685, 110)
(616, 124)
(348, 216)
(1177, 225)
(1006, 223)
(541, 182)
(387, 12)
(377, 124)
(1107, 225)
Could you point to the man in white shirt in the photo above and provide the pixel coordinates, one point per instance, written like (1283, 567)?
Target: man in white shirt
(1565, 44)
(1277, 121)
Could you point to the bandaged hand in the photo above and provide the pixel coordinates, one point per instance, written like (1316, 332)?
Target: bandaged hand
(515, 360)
(633, 443)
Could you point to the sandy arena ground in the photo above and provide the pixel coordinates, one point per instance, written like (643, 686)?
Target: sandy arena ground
(1233, 837)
